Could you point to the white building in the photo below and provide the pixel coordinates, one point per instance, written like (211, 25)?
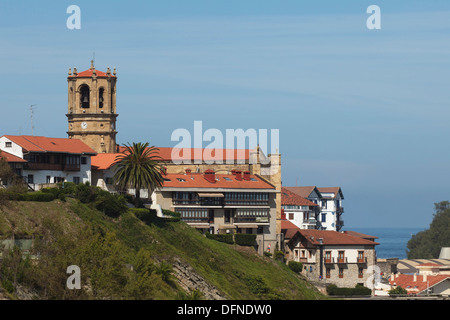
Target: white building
(49, 160)
(328, 213)
(331, 208)
(298, 210)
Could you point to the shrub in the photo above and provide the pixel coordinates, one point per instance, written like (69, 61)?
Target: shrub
(243, 239)
(397, 290)
(227, 238)
(279, 255)
(111, 204)
(295, 266)
(267, 254)
(358, 290)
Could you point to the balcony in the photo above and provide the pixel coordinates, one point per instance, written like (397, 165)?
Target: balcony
(342, 260)
(329, 260)
(361, 260)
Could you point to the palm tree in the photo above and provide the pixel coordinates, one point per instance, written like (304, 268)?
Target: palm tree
(137, 167)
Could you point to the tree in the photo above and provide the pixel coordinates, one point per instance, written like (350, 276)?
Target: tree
(137, 168)
(427, 244)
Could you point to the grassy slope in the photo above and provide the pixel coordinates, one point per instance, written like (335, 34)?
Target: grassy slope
(227, 267)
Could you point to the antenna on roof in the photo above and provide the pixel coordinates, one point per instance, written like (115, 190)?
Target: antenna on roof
(31, 118)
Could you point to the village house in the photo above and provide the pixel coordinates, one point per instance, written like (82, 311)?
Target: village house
(431, 279)
(330, 256)
(328, 213)
(45, 161)
(298, 210)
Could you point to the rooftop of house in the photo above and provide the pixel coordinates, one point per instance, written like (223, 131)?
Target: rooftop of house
(415, 284)
(289, 198)
(304, 192)
(209, 179)
(46, 144)
(104, 161)
(10, 157)
(322, 237)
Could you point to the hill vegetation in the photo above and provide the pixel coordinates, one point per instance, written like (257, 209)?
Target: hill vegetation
(427, 244)
(128, 254)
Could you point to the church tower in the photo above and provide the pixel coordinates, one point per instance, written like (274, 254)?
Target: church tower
(92, 108)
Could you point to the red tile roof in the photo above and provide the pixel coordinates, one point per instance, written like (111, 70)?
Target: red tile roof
(45, 144)
(293, 199)
(103, 161)
(223, 181)
(304, 192)
(406, 281)
(10, 157)
(88, 74)
(329, 237)
(361, 235)
(333, 190)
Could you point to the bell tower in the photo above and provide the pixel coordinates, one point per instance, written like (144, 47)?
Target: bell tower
(92, 108)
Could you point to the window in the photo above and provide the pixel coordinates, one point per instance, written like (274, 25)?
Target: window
(328, 256)
(291, 216)
(324, 204)
(328, 272)
(227, 179)
(84, 96)
(360, 256)
(8, 144)
(341, 272)
(360, 272)
(341, 256)
(30, 179)
(76, 180)
(83, 160)
(48, 179)
(323, 217)
(100, 97)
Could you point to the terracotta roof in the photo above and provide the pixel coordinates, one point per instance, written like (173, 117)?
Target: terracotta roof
(45, 144)
(289, 229)
(223, 181)
(10, 157)
(329, 237)
(88, 74)
(293, 199)
(103, 161)
(304, 192)
(361, 235)
(406, 281)
(333, 190)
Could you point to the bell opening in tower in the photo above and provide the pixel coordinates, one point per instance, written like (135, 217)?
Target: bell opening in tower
(84, 96)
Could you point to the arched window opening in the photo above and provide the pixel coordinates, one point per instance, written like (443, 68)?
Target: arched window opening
(84, 96)
(100, 97)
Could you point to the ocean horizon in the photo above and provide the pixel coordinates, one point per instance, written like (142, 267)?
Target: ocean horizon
(392, 241)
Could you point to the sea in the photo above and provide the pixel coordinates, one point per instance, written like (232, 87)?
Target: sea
(392, 241)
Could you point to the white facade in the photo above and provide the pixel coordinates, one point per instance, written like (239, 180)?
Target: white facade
(330, 209)
(301, 216)
(40, 178)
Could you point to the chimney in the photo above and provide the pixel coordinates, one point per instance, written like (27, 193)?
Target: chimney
(233, 172)
(188, 171)
(392, 277)
(415, 277)
(425, 278)
(247, 175)
(210, 175)
(238, 175)
(283, 215)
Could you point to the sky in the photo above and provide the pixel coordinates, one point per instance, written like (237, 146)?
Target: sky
(366, 110)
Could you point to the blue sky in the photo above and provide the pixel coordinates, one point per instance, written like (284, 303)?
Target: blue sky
(363, 109)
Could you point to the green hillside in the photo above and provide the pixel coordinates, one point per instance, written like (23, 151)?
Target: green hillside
(127, 258)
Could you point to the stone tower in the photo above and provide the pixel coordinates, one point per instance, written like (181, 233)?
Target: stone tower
(92, 108)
